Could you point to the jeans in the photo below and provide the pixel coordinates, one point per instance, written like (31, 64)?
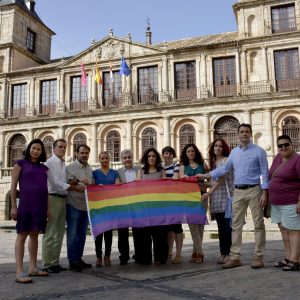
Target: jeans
(77, 221)
(224, 229)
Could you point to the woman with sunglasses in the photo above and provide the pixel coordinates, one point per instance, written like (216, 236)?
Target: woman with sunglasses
(284, 194)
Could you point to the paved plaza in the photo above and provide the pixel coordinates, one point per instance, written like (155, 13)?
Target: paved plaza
(184, 281)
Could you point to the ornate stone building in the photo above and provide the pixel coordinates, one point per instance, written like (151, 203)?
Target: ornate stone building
(190, 90)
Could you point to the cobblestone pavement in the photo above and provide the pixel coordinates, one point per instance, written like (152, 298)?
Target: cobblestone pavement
(184, 281)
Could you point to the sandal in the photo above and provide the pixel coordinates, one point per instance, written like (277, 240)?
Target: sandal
(291, 266)
(177, 260)
(38, 272)
(199, 258)
(282, 263)
(23, 278)
(170, 256)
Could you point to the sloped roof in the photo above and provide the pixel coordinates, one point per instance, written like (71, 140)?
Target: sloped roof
(202, 41)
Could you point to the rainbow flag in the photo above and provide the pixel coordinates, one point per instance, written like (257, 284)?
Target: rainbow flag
(144, 203)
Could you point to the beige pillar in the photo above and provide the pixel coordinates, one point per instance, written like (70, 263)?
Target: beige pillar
(166, 131)
(206, 138)
(244, 70)
(30, 98)
(265, 63)
(3, 102)
(247, 117)
(165, 79)
(60, 133)
(1, 149)
(203, 70)
(60, 108)
(128, 143)
(30, 135)
(268, 132)
(94, 145)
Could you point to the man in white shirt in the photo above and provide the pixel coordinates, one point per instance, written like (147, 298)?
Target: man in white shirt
(126, 174)
(57, 188)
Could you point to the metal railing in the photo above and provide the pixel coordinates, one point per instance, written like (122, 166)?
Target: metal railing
(199, 94)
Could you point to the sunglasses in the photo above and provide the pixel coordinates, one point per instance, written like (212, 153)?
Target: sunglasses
(285, 145)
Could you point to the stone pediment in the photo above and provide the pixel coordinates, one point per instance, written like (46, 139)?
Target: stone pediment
(111, 49)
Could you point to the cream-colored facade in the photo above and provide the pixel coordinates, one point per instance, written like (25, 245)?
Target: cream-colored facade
(187, 90)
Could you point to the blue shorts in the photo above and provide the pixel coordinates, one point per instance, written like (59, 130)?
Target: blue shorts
(286, 215)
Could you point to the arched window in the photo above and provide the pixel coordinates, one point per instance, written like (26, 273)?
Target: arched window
(186, 135)
(78, 139)
(291, 127)
(48, 144)
(149, 138)
(226, 128)
(113, 145)
(16, 148)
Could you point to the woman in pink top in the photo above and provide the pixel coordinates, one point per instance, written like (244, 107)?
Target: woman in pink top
(284, 193)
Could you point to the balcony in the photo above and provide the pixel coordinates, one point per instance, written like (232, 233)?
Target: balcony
(282, 25)
(195, 95)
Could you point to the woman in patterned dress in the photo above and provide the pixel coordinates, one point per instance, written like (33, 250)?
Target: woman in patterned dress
(217, 154)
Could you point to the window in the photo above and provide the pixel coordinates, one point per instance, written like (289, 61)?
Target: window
(224, 76)
(283, 18)
(226, 128)
(148, 138)
(147, 85)
(112, 89)
(19, 99)
(291, 127)
(48, 97)
(185, 80)
(16, 148)
(113, 145)
(79, 139)
(186, 136)
(287, 69)
(79, 94)
(48, 144)
(30, 40)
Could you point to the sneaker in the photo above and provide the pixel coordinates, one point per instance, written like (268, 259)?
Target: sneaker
(231, 264)
(257, 263)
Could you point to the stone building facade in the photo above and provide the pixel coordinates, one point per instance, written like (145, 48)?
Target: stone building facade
(190, 90)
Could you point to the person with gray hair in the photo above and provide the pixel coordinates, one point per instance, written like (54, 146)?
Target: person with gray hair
(127, 174)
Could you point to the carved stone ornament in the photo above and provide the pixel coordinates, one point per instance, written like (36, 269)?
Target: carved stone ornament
(111, 50)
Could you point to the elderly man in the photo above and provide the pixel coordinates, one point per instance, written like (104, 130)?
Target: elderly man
(77, 218)
(249, 163)
(58, 189)
(126, 174)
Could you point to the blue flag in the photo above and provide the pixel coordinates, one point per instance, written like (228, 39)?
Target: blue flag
(124, 69)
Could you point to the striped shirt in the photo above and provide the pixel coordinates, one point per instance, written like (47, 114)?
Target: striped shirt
(170, 170)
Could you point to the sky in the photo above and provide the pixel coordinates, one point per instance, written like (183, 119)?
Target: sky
(77, 22)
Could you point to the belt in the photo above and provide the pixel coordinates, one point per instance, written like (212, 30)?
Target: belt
(57, 195)
(245, 186)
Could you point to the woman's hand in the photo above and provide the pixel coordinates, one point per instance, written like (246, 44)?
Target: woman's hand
(205, 196)
(13, 213)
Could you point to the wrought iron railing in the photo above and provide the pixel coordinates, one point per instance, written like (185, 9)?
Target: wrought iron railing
(198, 94)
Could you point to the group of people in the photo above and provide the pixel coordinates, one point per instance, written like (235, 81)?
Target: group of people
(52, 194)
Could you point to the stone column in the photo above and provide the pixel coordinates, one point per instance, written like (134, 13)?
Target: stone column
(93, 99)
(244, 69)
(30, 135)
(166, 131)
(265, 63)
(268, 132)
(60, 107)
(165, 79)
(1, 149)
(61, 132)
(94, 145)
(30, 99)
(206, 136)
(198, 77)
(247, 117)
(128, 143)
(3, 102)
(203, 70)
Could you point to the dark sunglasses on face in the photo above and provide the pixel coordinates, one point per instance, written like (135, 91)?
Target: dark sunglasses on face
(285, 145)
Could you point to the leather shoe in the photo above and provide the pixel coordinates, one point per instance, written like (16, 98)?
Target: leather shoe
(84, 265)
(76, 267)
(52, 269)
(60, 268)
(257, 263)
(232, 264)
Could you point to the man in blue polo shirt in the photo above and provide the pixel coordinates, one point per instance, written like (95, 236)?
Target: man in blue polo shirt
(250, 164)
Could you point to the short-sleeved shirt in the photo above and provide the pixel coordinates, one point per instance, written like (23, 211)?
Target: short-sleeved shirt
(101, 178)
(171, 169)
(284, 188)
